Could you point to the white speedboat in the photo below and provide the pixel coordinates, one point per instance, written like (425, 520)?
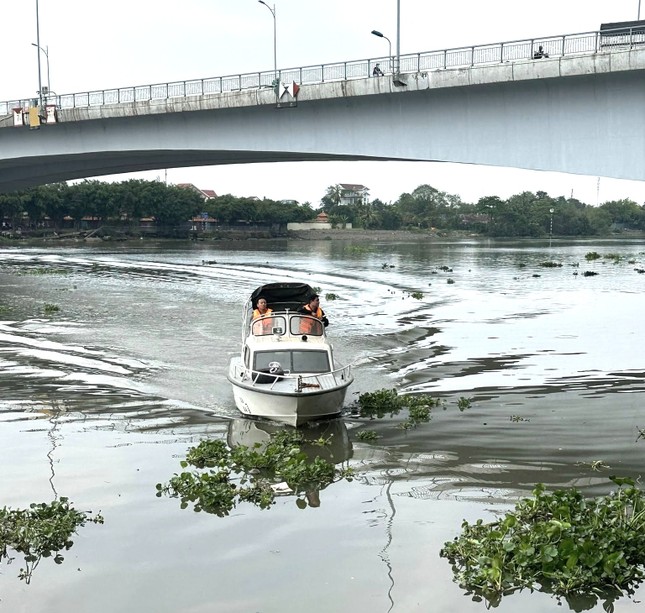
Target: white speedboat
(286, 370)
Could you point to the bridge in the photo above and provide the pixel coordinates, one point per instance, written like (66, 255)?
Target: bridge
(571, 103)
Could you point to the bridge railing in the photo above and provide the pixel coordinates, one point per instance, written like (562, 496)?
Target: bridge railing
(496, 53)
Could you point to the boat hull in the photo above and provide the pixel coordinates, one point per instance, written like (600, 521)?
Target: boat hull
(289, 407)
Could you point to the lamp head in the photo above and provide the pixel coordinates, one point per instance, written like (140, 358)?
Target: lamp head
(375, 32)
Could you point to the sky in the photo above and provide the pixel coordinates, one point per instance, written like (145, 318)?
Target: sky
(98, 45)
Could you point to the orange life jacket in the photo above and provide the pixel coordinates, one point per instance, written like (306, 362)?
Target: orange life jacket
(309, 326)
(266, 321)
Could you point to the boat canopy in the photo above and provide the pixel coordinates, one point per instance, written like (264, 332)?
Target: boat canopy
(283, 296)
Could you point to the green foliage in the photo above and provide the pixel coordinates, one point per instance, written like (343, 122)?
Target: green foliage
(331, 296)
(550, 264)
(40, 531)
(227, 476)
(50, 308)
(44, 271)
(416, 295)
(568, 545)
(616, 257)
(367, 435)
(425, 209)
(592, 255)
(464, 403)
(384, 402)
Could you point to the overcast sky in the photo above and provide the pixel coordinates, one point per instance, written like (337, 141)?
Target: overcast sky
(99, 45)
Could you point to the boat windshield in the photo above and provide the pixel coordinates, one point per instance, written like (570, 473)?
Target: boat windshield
(305, 324)
(294, 361)
(269, 325)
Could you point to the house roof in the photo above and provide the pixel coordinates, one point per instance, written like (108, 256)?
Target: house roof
(355, 187)
(206, 194)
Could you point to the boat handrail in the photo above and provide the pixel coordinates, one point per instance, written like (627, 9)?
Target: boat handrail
(245, 373)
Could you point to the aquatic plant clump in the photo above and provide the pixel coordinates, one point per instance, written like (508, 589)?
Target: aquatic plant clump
(562, 542)
(384, 402)
(251, 474)
(40, 531)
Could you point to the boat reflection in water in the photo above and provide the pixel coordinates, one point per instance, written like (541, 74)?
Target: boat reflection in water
(336, 450)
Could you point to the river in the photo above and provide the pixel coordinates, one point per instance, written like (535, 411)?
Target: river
(113, 360)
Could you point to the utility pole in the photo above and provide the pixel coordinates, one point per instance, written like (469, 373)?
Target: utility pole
(40, 81)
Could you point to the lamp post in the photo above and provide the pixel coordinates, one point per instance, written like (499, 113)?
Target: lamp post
(275, 45)
(40, 83)
(398, 38)
(46, 52)
(381, 35)
(551, 226)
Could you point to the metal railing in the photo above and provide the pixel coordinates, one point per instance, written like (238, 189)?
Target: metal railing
(460, 57)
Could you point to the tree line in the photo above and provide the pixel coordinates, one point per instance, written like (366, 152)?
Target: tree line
(522, 215)
(126, 203)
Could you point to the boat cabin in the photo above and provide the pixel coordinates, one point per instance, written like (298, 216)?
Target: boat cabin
(285, 340)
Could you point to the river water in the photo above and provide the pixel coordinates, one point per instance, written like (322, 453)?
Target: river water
(100, 400)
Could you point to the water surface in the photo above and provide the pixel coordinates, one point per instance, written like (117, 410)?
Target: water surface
(101, 399)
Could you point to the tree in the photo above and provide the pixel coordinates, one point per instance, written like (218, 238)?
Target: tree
(331, 199)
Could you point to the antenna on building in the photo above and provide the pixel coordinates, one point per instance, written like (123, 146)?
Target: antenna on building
(598, 192)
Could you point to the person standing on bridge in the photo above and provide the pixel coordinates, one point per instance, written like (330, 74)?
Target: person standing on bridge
(377, 72)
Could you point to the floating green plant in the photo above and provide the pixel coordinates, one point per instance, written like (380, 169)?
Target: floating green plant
(40, 531)
(416, 295)
(44, 271)
(518, 418)
(331, 296)
(613, 256)
(227, 476)
(592, 255)
(589, 273)
(367, 435)
(568, 545)
(450, 281)
(550, 264)
(595, 465)
(384, 402)
(50, 308)
(464, 403)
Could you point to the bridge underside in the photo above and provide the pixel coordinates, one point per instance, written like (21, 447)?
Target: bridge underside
(590, 123)
(28, 172)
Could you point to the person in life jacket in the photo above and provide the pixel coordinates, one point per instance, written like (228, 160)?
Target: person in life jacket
(309, 326)
(262, 310)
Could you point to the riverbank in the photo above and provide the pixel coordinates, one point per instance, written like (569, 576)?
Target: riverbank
(354, 235)
(359, 234)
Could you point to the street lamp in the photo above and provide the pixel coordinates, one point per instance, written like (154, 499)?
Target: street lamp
(46, 52)
(381, 35)
(275, 46)
(40, 83)
(551, 226)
